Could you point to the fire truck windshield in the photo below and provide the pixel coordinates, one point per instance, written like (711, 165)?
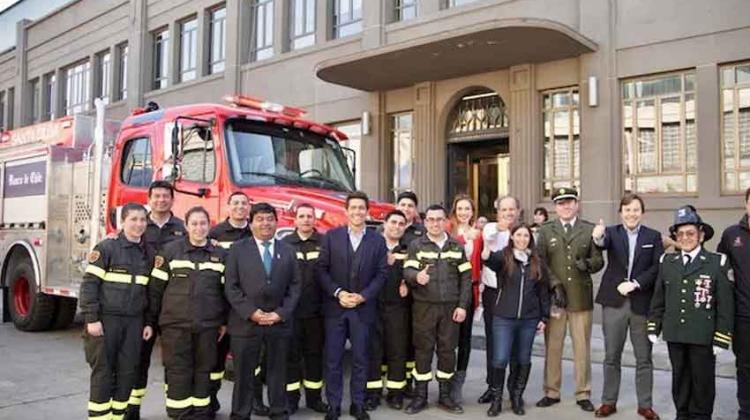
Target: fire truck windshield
(263, 154)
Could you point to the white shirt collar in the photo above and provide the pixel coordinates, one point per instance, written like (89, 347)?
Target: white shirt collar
(694, 253)
(572, 222)
(262, 248)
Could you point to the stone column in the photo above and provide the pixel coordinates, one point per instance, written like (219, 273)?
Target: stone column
(20, 113)
(708, 126)
(323, 21)
(428, 7)
(140, 56)
(429, 147)
(373, 34)
(280, 28)
(525, 140)
(376, 146)
(236, 44)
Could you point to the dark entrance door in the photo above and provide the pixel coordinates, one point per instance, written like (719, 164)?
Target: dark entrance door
(481, 170)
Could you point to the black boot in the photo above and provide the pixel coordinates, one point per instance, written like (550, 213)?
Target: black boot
(457, 386)
(372, 399)
(419, 402)
(498, 381)
(395, 399)
(292, 401)
(259, 409)
(133, 412)
(445, 401)
(409, 388)
(512, 377)
(314, 402)
(516, 395)
(486, 398)
(215, 405)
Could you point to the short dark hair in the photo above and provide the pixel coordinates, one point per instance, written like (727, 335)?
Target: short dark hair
(435, 207)
(541, 210)
(262, 208)
(394, 213)
(408, 195)
(161, 184)
(747, 194)
(304, 206)
(242, 193)
(357, 195)
(629, 198)
(130, 207)
(194, 210)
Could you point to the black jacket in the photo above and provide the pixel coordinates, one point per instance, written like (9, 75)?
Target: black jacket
(390, 295)
(226, 234)
(116, 280)
(450, 272)
(248, 288)
(522, 296)
(648, 249)
(156, 237)
(187, 287)
(735, 244)
(307, 251)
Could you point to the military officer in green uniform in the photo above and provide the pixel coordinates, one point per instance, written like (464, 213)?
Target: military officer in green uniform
(693, 309)
(566, 245)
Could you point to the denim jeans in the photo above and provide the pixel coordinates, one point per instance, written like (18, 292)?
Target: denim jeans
(512, 336)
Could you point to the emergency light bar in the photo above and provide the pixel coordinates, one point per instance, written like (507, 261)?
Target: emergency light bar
(263, 105)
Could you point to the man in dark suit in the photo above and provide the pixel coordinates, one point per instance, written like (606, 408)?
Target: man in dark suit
(633, 252)
(352, 269)
(263, 287)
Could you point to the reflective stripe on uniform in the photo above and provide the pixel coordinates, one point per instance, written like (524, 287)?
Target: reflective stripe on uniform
(125, 278)
(412, 264)
(426, 254)
(217, 376)
(384, 368)
(119, 405)
(312, 385)
(313, 255)
(411, 364)
(226, 245)
(375, 384)
(293, 386)
(443, 375)
(181, 264)
(257, 371)
(399, 256)
(160, 274)
(179, 404)
(422, 376)
(201, 402)
(300, 256)
(211, 266)
(450, 254)
(107, 416)
(117, 416)
(395, 384)
(95, 406)
(142, 280)
(138, 392)
(464, 267)
(724, 336)
(97, 271)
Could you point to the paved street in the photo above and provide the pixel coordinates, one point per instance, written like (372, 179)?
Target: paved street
(44, 376)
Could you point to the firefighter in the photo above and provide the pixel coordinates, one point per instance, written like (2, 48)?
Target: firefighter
(693, 308)
(113, 302)
(224, 234)
(187, 300)
(161, 227)
(440, 278)
(391, 334)
(305, 363)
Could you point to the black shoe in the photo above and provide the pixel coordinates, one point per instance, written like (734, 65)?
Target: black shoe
(132, 413)
(292, 407)
(486, 398)
(395, 400)
(358, 412)
(516, 395)
(260, 409)
(409, 389)
(372, 401)
(445, 401)
(497, 381)
(317, 406)
(586, 405)
(547, 401)
(215, 405)
(333, 413)
(419, 402)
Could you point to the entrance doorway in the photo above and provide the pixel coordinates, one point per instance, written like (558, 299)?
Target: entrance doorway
(481, 170)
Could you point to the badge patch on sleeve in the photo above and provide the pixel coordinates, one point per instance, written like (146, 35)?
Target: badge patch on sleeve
(94, 256)
(158, 261)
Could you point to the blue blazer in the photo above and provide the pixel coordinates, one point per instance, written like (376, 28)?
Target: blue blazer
(333, 271)
(648, 250)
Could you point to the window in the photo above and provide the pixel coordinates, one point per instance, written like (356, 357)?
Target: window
(735, 132)
(49, 97)
(406, 10)
(353, 130)
(562, 145)
(262, 43)
(34, 92)
(188, 49)
(458, 3)
(403, 158)
(161, 59)
(2, 111)
(347, 18)
(217, 47)
(302, 25)
(77, 88)
(122, 72)
(136, 167)
(198, 162)
(103, 75)
(659, 134)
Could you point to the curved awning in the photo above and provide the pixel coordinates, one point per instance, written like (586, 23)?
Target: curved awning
(480, 48)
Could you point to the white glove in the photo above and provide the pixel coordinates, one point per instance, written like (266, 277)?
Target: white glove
(653, 338)
(718, 350)
(625, 287)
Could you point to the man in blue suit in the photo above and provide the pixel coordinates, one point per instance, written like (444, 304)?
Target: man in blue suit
(352, 268)
(633, 252)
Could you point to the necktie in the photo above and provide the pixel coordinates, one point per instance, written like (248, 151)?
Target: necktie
(567, 228)
(267, 257)
(686, 259)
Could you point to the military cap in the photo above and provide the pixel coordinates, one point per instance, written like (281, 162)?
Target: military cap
(564, 193)
(688, 215)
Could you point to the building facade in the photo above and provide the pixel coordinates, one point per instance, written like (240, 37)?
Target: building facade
(484, 97)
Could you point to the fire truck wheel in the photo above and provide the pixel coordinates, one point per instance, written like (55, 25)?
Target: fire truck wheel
(65, 312)
(29, 309)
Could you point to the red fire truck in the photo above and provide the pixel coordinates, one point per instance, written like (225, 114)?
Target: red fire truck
(65, 181)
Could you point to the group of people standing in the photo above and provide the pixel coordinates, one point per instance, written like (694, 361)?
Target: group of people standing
(287, 307)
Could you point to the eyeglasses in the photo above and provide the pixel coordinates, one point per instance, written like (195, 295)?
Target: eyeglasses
(687, 234)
